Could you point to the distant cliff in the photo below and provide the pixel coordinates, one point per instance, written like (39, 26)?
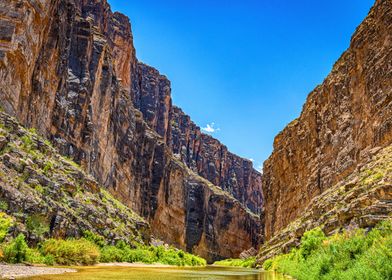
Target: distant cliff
(69, 69)
(200, 152)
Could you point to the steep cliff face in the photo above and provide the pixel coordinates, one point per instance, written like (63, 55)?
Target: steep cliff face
(360, 200)
(68, 68)
(200, 152)
(342, 120)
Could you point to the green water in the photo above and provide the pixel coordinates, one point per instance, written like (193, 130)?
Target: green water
(128, 273)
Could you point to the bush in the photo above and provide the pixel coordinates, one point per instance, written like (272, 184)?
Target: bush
(71, 252)
(94, 238)
(310, 241)
(5, 224)
(249, 262)
(38, 225)
(149, 254)
(349, 255)
(112, 254)
(35, 256)
(16, 250)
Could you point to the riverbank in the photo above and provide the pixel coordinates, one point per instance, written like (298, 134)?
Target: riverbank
(13, 271)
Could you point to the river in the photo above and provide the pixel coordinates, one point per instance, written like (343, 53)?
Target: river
(167, 273)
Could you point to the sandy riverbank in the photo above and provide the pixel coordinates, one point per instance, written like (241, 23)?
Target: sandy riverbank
(17, 271)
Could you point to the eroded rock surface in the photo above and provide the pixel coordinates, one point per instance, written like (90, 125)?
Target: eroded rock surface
(202, 153)
(361, 200)
(68, 68)
(48, 195)
(345, 117)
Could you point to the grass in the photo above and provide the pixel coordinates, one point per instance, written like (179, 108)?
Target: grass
(249, 262)
(348, 255)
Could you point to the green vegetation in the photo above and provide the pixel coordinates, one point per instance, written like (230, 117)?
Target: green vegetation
(71, 252)
(16, 250)
(88, 250)
(38, 225)
(348, 255)
(5, 224)
(249, 262)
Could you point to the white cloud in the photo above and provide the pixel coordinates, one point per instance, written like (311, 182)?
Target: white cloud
(252, 160)
(210, 128)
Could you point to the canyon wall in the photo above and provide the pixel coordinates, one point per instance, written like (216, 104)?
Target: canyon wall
(202, 153)
(343, 119)
(69, 69)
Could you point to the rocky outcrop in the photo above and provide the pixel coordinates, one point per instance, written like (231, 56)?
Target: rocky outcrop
(202, 153)
(68, 69)
(359, 201)
(343, 119)
(212, 160)
(50, 196)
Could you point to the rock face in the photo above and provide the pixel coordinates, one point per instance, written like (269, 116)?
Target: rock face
(361, 200)
(200, 152)
(345, 117)
(68, 69)
(50, 196)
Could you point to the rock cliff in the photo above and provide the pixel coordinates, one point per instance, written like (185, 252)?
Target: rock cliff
(360, 200)
(48, 195)
(200, 152)
(69, 69)
(343, 119)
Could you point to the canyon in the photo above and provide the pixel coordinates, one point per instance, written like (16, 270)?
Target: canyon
(69, 70)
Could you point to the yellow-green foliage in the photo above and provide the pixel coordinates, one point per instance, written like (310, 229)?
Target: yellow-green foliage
(5, 224)
(68, 252)
(92, 249)
(16, 250)
(349, 255)
(249, 262)
(149, 254)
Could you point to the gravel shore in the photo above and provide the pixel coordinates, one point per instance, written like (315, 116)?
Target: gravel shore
(17, 271)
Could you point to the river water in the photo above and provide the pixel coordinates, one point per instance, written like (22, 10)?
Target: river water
(131, 273)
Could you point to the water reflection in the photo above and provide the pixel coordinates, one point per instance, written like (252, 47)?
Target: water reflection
(148, 273)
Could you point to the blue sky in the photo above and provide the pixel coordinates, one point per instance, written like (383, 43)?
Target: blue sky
(243, 68)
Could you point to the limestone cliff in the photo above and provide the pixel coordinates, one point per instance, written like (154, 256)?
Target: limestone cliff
(362, 199)
(202, 153)
(343, 119)
(69, 69)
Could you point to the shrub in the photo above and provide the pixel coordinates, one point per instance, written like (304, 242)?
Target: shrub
(112, 254)
(16, 250)
(5, 224)
(71, 252)
(249, 262)
(310, 241)
(349, 255)
(38, 225)
(149, 254)
(94, 238)
(35, 256)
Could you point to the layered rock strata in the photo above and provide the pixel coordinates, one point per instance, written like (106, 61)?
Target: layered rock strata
(361, 200)
(202, 153)
(68, 69)
(344, 118)
(50, 196)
